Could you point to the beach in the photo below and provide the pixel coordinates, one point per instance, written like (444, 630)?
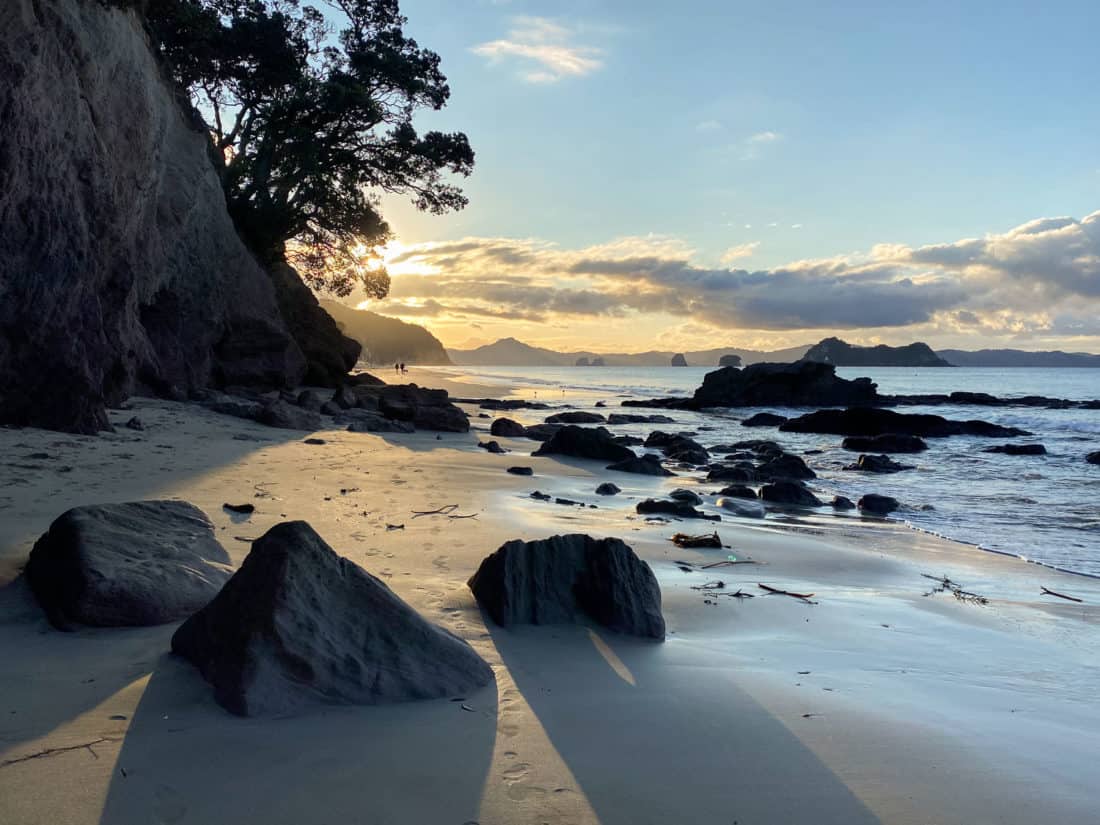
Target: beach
(868, 702)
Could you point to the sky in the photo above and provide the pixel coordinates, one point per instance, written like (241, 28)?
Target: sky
(703, 174)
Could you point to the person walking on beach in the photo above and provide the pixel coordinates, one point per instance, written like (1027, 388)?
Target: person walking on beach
(396, 368)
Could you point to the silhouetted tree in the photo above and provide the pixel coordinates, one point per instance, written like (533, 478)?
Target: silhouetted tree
(310, 114)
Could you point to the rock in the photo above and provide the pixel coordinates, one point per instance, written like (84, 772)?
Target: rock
(672, 508)
(582, 362)
(134, 424)
(311, 400)
(875, 421)
(741, 507)
(364, 421)
(426, 409)
(575, 417)
(783, 466)
(521, 471)
(503, 403)
(243, 509)
(885, 443)
(678, 447)
(687, 496)
(568, 502)
(678, 360)
(1017, 449)
(236, 407)
(492, 447)
(877, 505)
(729, 360)
(629, 440)
(314, 441)
(843, 354)
(608, 489)
(764, 420)
(758, 446)
(560, 579)
(484, 415)
(600, 404)
(1093, 458)
(288, 417)
(330, 408)
(842, 503)
(790, 493)
(646, 465)
(740, 474)
(628, 418)
(363, 379)
(584, 442)
(134, 564)
(299, 625)
(541, 432)
(802, 384)
(507, 428)
(878, 464)
(345, 398)
(541, 496)
(738, 491)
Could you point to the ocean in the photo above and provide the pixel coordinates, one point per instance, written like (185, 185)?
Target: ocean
(1045, 509)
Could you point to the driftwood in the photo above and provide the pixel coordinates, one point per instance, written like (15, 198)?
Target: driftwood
(778, 592)
(446, 509)
(702, 540)
(1046, 591)
(945, 585)
(728, 561)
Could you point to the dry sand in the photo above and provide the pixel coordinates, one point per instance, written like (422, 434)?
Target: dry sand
(876, 704)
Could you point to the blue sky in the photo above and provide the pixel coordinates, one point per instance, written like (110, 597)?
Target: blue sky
(755, 135)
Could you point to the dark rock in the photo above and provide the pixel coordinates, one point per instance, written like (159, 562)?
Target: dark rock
(758, 446)
(679, 509)
(234, 406)
(1093, 458)
(288, 417)
(364, 421)
(542, 432)
(311, 400)
(885, 443)
(878, 464)
(686, 496)
(842, 354)
(134, 564)
(562, 578)
(739, 474)
(729, 360)
(521, 471)
(1017, 449)
(783, 466)
(507, 428)
(541, 496)
(646, 465)
(427, 409)
(764, 420)
(365, 379)
(330, 408)
(503, 403)
(314, 441)
(492, 447)
(874, 421)
(790, 493)
(299, 625)
(134, 424)
(345, 398)
(484, 415)
(678, 360)
(877, 505)
(678, 447)
(240, 508)
(568, 502)
(629, 440)
(600, 404)
(584, 442)
(738, 491)
(627, 418)
(802, 384)
(608, 489)
(575, 417)
(842, 503)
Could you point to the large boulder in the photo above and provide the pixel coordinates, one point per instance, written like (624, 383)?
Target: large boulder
(788, 493)
(885, 443)
(678, 447)
(875, 421)
(507, 428)
(782, 466)
(299, 625)
(560, 579)
(286, 416)
(802, 384)
(133, 564)
(877, 464)
(575, 417)
(877, 505)
(584, 442)
(646, 465)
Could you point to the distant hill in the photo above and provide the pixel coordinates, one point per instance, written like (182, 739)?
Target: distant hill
(387, 340)
(1019, 358)
(843, 354)
(509, 352)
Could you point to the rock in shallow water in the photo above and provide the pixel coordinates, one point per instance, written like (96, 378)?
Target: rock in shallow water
(299, 625)
(877, 505)
(584, 442)
(789, 492)
(560, 579)
(134, 564)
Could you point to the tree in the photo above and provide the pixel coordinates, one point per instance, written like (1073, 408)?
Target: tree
(310, 114)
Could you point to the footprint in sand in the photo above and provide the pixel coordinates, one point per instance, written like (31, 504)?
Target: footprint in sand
(440, 563)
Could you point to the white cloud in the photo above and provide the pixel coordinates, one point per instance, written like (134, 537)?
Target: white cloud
(544, 50)
(736, 253)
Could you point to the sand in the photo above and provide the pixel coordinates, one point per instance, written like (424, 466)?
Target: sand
(876, 704)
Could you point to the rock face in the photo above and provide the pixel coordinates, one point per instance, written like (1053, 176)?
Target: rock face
(134, 564)
(299, 625)
(802, 384)
(842, 354)
(559, 579)
(873, 421)
(584, 442)
(120, 270)
(1017, 449)
(678, 360)
(885, 443)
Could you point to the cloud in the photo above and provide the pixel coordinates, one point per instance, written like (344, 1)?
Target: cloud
(544, 49)
(736, 253)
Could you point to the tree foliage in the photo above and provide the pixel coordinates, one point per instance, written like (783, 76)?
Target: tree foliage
(310, 111)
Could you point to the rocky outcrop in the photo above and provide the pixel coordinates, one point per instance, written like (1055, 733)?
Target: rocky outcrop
(885, 443)
(299, 625)
(678, 360)
(873, 421)
(133, 564)
(120, 269)
(729, 360)
(1017, 449)
(584, 442)
(802, 384)
(563, 578)
(842, 354)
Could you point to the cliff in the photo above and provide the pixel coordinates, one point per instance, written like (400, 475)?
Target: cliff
(842, 354)
(388, 340)
(120, 270)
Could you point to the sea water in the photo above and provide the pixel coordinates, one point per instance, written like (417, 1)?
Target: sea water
(1042, 508)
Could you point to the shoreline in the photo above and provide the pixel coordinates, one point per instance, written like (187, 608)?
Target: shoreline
(915, 708)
